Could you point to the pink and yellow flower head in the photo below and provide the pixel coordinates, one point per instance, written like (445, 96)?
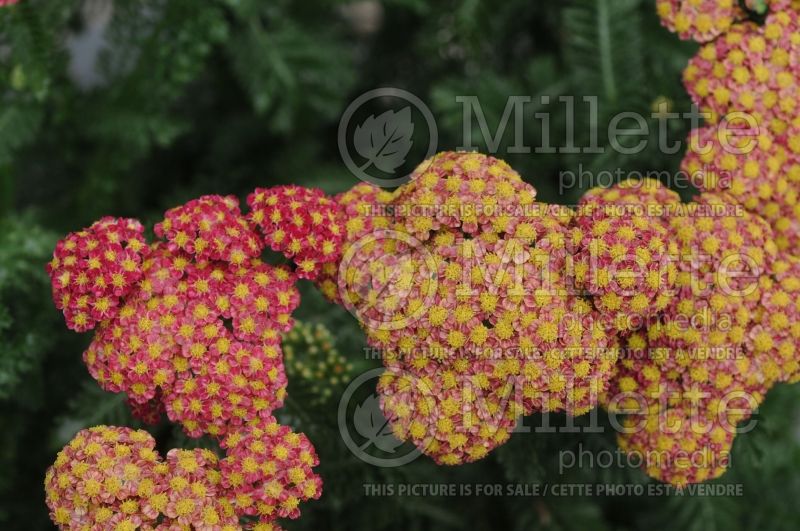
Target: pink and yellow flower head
(106, 478)
(760, 170)
(114, 478)
(471, 291)
(210, 228)
(267, 470)
(472, 192)
(714, 351)
(302, 223)
(93, 270)
(706, 20)
(751, 69)
(624, 256)
(678, 446)
(203, 337)
(699, 20)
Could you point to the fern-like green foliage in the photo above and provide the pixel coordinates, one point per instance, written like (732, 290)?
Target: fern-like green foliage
(25, 311)
(603, 46)
(291, 72)
(30, 332)
(26, 69)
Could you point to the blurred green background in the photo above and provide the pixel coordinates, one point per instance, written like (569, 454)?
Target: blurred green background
(126, 108)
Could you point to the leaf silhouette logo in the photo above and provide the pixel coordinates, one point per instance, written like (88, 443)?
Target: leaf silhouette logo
(385, 140)
(373, 426)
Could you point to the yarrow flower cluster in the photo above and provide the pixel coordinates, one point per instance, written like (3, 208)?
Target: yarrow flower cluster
(267, 470)
(302, 223)
(461, 284)
(192, 327)
(106, 478)
(761, 171)
(750, 69)
(470, 192)
(204, 338)
(703, 363)
(94, 269)
(210, 228)
(624, 257)
(731, 329)
(699, 20)
(113, 478)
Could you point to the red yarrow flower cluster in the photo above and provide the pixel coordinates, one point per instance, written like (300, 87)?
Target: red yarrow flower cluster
(94, 269)
(203, 337)
(302, 223)
(210, 228)
(190, 327)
